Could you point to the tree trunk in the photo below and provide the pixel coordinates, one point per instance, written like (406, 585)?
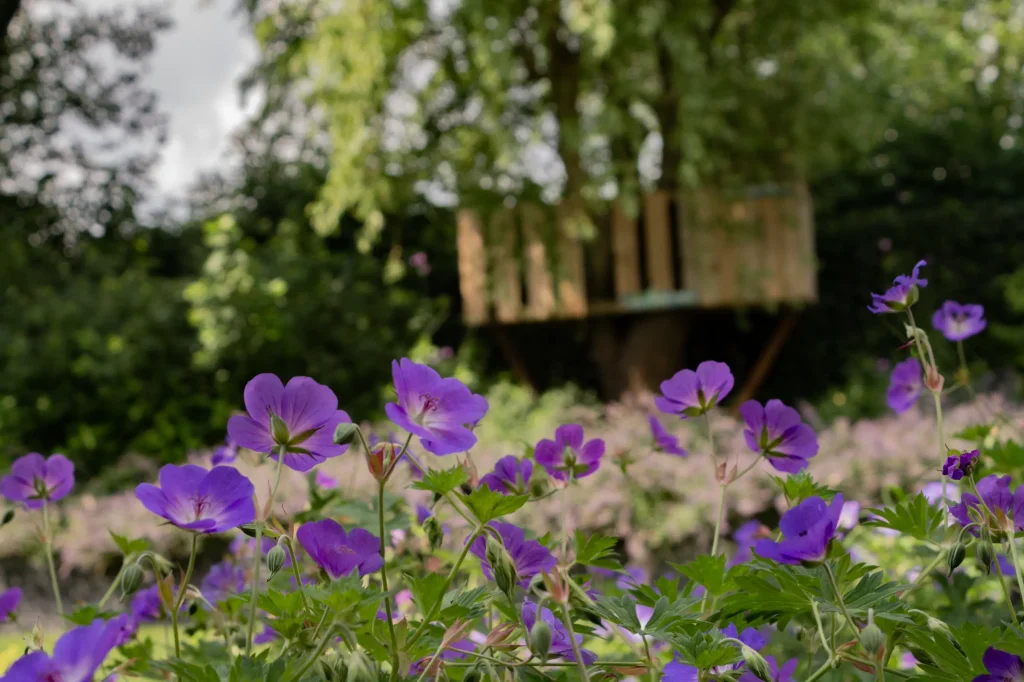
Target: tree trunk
(8, 9)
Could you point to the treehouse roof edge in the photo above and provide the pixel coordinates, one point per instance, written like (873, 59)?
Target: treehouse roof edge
(707, 249)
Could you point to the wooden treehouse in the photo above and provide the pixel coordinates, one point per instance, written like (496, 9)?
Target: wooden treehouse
(705, 249)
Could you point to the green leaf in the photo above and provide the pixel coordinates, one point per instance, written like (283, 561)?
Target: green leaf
(619, 610)
(914, 517)
(443, 481)
(462, 604)
(706, 570)
(1008, 456)
(426, 591)
(487, 505)
(798, 487)
(87, 614)
(976, 433)
(129, 547)
(669, 617)
(596, 550)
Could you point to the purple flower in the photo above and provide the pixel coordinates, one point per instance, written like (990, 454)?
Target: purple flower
(9, 600)
(510, 476)
(435, 409)
(195, 499)
(225, 454)
(417, 668)
(783, 674)
(807, 530)
(35, 480)
(222, 581)
(905, 385)
(676, 671)
(1007, 509)
(76, 656)
(633, 577)
(422, 514)
(1001, 667)
(663, 440)
(691, 394)
(567, 456)
(122, 628)
(901, 295)
(561, 643)
(337, 552)
(267, 636)
(325, 481)
(850, 516)
(958, 322)
(958, 466)
(776, 431)
(529, 556)
(299, 418)
(744, 537)
(146, 606)
(420, 263)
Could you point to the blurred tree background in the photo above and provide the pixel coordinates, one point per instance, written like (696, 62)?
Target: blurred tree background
(128, 333)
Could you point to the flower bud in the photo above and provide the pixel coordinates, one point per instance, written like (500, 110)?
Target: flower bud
(131, 579)
(8, 517)
(985, 554)
(756, 664)
(381, 459)
(360, 669)
(345, 433)
(472, 675)
(540, 640)
(275, 559)
(940, 628)
(435, 534)
(502, 567)
(956, 556)
(871, 637)
(279, 430)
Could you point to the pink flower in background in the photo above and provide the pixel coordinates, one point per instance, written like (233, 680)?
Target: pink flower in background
(419, 262)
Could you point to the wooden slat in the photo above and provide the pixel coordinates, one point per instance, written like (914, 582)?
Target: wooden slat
(508, 285)
(752, 267)
(572, 284)
(808, 282)
(658, 241)
(540, 288)
(472, 267)
(699, 269)
(772, 215)
(625, 251)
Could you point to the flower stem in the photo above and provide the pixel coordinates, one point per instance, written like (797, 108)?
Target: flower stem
(181, 593)
(384, 581)
(430, 663)
(1016, 564)
(942, 448)
(418, 632)
(722, 486)
(651, 669)
(821, 628)
(923, 575)
(820, 672)
(839, 598)
(315, 656)
(257, 555)
(298, 576)
(117, 581)
(48, 542)
(1006, 593)
(567, 619)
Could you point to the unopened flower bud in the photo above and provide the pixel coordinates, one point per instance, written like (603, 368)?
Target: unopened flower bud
(540, 640)
(381, 459)
(756, 664)
(275, 559)
(360, 669)
(956, 556)
(871, 637)
(501, 565)
(985, 554)
(345, 433)
(473, 675)
(435, 534)
(940, 628)
(131, 579)
(8, 517)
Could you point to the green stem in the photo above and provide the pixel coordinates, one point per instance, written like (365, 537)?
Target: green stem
(839, 598)
(1016, 564)
(257, 555)
(298, 576)
(942, 446)
(721, 499)
(113, 586)
(181, 593)
(430, 663)
(418, 632)
(820, 672)
(821, 628)
(314, 657)
(567, 619)
(384, 581)
(589, 603)
(650, 661)
(48, 541)
(1006, 593)
(927, 571)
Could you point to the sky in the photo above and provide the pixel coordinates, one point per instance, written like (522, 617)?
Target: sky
(195, 71)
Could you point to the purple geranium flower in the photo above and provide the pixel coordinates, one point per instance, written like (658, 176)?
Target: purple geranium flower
(631, 578)
(510, 476)
(337, 552)
(76, 656)
(901, 295)
(783, 674)
(905, 385)
(195, 499)
(529, 556)
(1001, 667)
(299, 418)
(958, 322)
(691, 394)
(435, 409)
(561, 643)
(325, 481)
(745, 536)
(223, 580)
(122, 629)
(663, 440)
(423, 513)
(776, 431)
(225, 454)
(677, 671)
(807, 530)
(958, 466)
(9, 600)
(567, 455)
(35, 480)
(462, 646)
(267, 636)
(1007, 508)
(146, 606)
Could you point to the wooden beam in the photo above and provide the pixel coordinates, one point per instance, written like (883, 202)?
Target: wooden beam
(472, 267)
(625, 251)
(658, 241)
(540, 288)
(508, 285)
(767, 358)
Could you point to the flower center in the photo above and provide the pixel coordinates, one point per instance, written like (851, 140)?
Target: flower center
(199, 505)
(42, 490)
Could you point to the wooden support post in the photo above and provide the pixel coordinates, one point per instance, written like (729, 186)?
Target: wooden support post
(767, 359)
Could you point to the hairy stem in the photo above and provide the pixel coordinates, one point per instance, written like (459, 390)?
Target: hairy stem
(418, 632)
(1016, 564)
(839, 598)
(313, 657)
(821, 628)
(1006, 593)
(298, 576)
(567, 619)
(113, 586)
(181, 593)
(257, 555)
(820, 672)
(48, 542)
(384, 581)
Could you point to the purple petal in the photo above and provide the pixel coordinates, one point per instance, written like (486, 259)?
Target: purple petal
(251, 434)
(60, 476)
(569, 435)
(262, 396)
(306, 404)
